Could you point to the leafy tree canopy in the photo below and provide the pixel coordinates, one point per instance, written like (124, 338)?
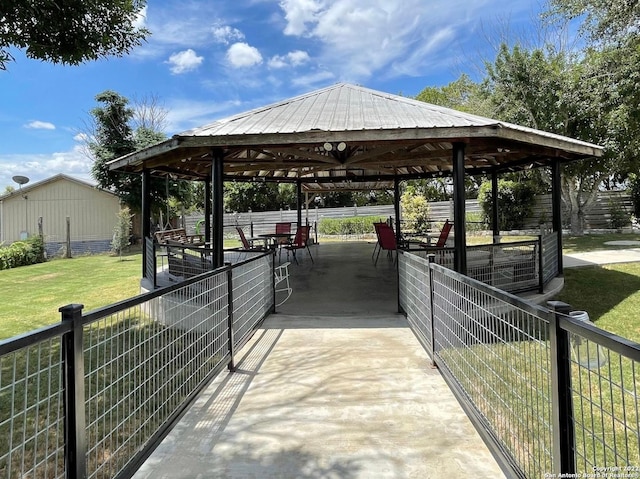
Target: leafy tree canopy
(69, 32)
(603, 20)
(462, 94)
(112, 137)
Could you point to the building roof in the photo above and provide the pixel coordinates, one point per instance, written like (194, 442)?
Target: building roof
(350, 133)
(60, 176)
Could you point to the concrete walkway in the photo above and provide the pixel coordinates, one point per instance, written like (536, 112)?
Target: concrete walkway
(333, 386)
(600, 257)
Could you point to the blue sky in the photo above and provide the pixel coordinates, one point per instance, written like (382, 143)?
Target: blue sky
(209, 59)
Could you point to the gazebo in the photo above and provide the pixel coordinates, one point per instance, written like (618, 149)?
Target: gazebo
(347, 136)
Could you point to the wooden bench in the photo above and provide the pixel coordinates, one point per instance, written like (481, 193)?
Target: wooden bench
(178, 236)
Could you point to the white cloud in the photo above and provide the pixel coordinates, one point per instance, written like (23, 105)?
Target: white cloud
(81, 137)
(177, 25)
(360, 38)
(40, 125)
(225, 34)
(242, 55)
(141, 18)
(184, 61)
(298, 14)
(308, 81)
(40, 166)
(186, 114)
(294, 58)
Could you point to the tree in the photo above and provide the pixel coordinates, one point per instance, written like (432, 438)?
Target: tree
(462, 94)
(515, 202)
(69, 32)
(415, 211)
(606, 21)
(121, 231)
(612, 77)
(254, 196)
(557, 92)
(112, 135)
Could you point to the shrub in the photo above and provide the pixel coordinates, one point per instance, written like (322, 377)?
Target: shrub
(355, 225)
(620, 217)
(515, 202)
(476, 221)
(121, 231)
(415, 211)
(22, 253)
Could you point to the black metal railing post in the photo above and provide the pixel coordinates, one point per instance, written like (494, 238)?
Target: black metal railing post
(540, 264)
(561, 394)
(432, 260)
(399, 305)
(231, 337)
(75, 444)
(273, 280)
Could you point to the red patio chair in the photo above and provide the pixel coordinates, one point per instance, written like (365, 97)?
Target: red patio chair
(387, 240)
(249, 243)
(377, 245)
(300, 241)
(444, 234)
(282, 228)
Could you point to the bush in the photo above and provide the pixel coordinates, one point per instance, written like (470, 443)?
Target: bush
(121, 231)
(515, 202)
(416, 212)
(476, 222)
(356, 225)
(620, 217)
(22, 253)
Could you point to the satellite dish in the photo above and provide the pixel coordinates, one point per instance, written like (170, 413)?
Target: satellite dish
(21, 180)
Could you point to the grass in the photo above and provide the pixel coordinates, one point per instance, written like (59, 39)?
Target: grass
(610, 294)
(32, 294)
(582, 244)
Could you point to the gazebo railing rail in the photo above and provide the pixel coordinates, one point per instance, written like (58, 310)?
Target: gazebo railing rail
(93, 395)
(550, 394)
(515, 266)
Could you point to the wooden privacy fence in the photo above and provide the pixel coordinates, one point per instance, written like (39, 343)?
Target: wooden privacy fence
(598, 217)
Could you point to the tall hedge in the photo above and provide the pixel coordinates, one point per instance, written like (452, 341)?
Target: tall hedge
(515, 202)
(356, 225)
(22, 253)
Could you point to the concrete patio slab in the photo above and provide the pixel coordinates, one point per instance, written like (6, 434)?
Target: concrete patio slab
(333, 386)
(326, 397)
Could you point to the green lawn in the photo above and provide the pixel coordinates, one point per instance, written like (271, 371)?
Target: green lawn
(610, 294)
(31, 295)
(581, 244)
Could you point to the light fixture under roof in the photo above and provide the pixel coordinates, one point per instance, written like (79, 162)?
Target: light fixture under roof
(342, 146)
(328, 146)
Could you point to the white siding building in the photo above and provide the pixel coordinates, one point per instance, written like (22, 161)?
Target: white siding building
(43, 208)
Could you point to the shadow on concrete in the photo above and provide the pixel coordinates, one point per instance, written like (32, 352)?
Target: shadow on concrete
(333, 386)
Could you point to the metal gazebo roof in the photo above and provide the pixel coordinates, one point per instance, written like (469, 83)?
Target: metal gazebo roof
(346, 133)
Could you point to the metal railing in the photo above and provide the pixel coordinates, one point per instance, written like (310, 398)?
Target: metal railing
(549, 257)
(549, 393)
(514, 267)
(93, 395)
